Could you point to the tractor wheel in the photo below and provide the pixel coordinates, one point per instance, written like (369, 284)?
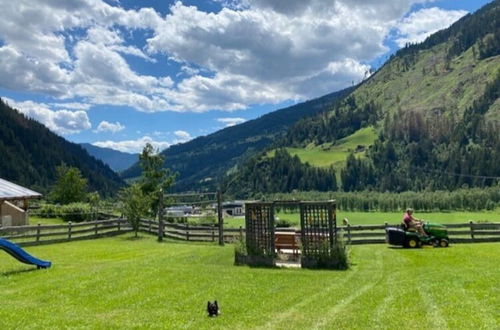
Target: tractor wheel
(413, 243)
(443, 243)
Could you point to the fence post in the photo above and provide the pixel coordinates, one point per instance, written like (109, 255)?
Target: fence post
(213, 233)
(69, 230)
(349, 233)
(241, 233)
(471, 230)
(160, 230)
(160, 217)
(96, 230)
(150, 224)
(187, 231)
(38, 233)
(119, 224)
(220, 218)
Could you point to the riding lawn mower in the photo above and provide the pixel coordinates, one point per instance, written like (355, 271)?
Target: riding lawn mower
(437, 235)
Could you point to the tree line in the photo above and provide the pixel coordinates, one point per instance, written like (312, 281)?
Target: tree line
(281, 173)
(475, 199)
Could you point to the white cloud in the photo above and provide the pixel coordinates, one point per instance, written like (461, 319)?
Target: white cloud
(250, 52)
(105, 126)
(60, 121)
(182, 136)
(230, 121)
(132, 146)
(421, 24)
(72, 105)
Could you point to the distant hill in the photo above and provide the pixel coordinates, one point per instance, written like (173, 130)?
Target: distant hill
(117, 160)
(30, 153)
(201, 161)
(436, 110)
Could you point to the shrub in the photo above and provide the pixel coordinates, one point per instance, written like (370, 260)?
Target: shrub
(335, 258)
(283, 223)
(76, 212)
(48, 211)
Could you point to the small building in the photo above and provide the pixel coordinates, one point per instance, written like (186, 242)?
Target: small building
(14, 202)
(179, 211)
(234, 208)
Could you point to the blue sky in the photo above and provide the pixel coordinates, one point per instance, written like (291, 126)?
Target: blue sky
(122, 73)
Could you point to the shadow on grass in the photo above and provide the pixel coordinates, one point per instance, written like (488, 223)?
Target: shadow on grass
(133, 238)
(18, 271)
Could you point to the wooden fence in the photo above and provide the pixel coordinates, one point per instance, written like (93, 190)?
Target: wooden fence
(46, 234)
(361, 234)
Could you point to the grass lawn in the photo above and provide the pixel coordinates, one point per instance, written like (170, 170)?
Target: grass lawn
(378, 218)
(123, 283)
(34, 220)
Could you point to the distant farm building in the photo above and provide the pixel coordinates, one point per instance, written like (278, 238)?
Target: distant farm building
(14, 201)
(234, 208)
(181, 211)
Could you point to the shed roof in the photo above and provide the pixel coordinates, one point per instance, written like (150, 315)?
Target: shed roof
(12, 191)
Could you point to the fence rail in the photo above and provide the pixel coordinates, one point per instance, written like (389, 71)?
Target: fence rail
(470, 232)
(46, 234)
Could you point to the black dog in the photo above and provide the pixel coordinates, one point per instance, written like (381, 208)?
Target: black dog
(212, 309)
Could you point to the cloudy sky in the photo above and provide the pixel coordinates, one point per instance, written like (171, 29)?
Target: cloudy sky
(120, 73)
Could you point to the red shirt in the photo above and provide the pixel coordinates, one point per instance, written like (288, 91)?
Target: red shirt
(407, 219)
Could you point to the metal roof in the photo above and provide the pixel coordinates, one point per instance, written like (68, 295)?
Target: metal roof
(12, 191)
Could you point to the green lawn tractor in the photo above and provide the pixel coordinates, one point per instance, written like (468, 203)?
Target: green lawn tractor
(437, 235)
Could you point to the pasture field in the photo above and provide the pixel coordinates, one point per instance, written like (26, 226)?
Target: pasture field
(138, 283)
(329, 154)
(378, 218)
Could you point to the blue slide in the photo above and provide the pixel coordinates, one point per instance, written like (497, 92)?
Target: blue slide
(21, 255)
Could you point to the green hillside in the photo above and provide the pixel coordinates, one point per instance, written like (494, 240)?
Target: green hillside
(30, 153)
(335, 154)
(436, 111)
(202, 161)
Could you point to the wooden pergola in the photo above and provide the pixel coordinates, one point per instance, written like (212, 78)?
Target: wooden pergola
(12, 192)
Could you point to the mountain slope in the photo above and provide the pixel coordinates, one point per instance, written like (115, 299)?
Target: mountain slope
(200, 161)
(30, 153)
(117, 160)
(436, 109)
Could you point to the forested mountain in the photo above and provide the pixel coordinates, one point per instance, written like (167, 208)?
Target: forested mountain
(200, 162)
(30, 153)
(117, 160)
(436, 109)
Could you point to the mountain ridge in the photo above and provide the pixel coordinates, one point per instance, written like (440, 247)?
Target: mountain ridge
(31, 152)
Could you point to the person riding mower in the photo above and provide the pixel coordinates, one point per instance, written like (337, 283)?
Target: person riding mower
(415, 233)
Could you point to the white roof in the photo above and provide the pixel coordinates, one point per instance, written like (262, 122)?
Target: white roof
(10, 191)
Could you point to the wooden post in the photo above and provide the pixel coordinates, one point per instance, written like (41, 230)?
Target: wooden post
(213, 233)
(187, 231)
(38, 233)
(150, 224)
(471, 229)
(349, 233)
(95, 228)
(160, 217)
(220, 218)
(241, 233)
(69, 230)
(119, 224)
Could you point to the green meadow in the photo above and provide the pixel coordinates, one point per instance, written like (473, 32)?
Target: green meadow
(378, 218)
(121, 283)
(329, 154)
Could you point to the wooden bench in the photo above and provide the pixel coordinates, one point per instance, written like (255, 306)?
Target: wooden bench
(286, 241)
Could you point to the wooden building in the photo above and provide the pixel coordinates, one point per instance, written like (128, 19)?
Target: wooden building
(14, 202)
